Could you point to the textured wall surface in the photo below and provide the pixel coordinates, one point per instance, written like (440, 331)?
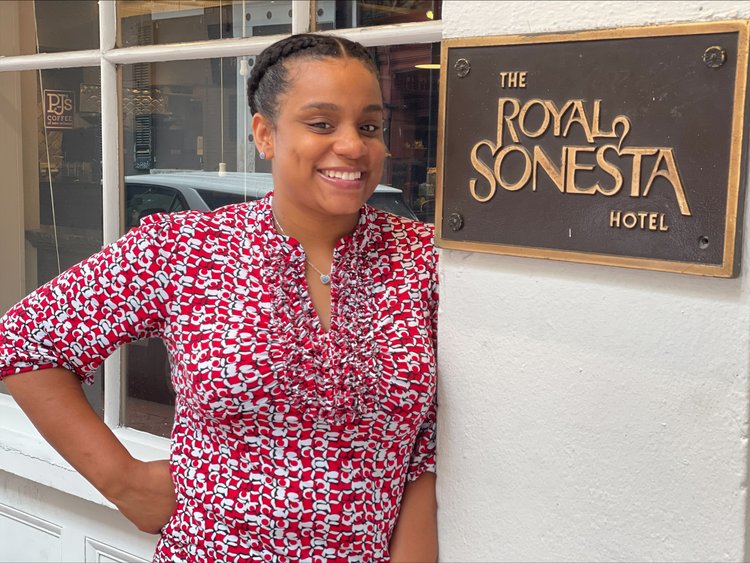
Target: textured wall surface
(590, 413)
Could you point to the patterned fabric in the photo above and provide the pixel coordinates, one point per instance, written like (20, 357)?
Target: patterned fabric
(290, 443)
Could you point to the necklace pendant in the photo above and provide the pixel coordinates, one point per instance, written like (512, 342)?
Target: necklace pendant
(325, 279)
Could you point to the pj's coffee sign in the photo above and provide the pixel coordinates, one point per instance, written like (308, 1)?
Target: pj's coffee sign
(620, 147)
(58, 109)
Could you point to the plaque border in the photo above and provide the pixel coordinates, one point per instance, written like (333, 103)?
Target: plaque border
(731, 252)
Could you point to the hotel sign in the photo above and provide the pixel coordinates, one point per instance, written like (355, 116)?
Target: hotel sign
(621, 147)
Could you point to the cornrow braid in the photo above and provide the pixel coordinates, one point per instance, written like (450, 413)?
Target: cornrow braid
(268, 79)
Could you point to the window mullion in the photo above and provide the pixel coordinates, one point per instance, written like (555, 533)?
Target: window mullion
(395, 34)
(303, 16)
(209, 49)
(43, 61)
(110, 188)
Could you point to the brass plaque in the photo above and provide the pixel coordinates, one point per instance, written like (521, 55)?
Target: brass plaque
(621, 147)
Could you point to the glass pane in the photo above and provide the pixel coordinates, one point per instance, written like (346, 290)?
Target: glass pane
(50, 154)
(145, 22)
(331, 14)
(409, 75)
(61, 25)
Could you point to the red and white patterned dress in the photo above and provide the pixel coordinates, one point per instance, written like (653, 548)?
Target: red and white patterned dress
(290, 443)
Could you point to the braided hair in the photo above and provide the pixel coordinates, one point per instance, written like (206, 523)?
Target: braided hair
(269, 79)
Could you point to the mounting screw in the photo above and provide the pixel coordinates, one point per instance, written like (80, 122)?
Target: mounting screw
(714, 56)
(463, 67)
(455, 222)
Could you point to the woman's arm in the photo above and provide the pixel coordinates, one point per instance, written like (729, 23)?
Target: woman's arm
(415, 538)
(55, 403)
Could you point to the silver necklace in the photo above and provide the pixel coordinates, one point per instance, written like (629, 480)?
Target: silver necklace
(325, 279)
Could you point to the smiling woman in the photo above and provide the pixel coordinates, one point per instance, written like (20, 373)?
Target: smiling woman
(183, 119)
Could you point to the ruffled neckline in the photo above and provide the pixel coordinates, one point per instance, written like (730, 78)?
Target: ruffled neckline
(335, 374)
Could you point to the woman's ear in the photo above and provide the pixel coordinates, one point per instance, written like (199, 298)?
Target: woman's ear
(263, 135)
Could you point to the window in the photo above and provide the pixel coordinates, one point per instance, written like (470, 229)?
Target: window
(51, 154)
(156, 23)
(410, 94)
(365, 13)
(145, 22)
(49, 27)
(177, 115)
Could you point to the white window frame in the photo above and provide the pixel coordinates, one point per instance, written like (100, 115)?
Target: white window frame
(22, 450)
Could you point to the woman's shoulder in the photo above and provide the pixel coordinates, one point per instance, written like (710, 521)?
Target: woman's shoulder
(409, 245)
(403, 229)
(408, 238)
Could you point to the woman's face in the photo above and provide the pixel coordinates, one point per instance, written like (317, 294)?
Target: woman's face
(327, 142)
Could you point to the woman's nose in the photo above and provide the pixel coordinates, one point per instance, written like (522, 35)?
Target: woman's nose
(350, 143)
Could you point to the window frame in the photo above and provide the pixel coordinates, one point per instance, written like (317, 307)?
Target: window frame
(22, 450)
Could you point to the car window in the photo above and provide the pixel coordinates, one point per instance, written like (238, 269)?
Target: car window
(392, 203)
(143, 200)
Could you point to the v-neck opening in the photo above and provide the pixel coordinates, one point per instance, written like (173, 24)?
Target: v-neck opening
(315, 322)
(330, 372)
(345, 245)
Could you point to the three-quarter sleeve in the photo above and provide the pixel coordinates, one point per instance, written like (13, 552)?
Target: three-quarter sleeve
(425, 446)
(423, 455)
(79, 318)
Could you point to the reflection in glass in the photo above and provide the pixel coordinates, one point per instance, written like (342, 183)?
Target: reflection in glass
(183, 115)
(410, 95)
(70, 192)
(331, 14)
(55, 179)
(144, 22)
(48, 26)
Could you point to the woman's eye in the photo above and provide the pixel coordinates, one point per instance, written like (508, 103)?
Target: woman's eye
(320, 125)
(370, 128)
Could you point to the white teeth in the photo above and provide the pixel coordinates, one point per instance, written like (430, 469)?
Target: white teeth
(343, 175)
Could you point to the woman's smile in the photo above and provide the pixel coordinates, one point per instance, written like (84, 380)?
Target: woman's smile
(345, 179)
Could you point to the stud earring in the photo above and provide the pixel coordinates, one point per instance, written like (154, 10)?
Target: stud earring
(262, 155)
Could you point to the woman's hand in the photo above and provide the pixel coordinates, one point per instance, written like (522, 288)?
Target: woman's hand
(146, 496)
(55, 403)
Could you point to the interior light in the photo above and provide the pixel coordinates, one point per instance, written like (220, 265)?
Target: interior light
(430, 15)
(431, 66)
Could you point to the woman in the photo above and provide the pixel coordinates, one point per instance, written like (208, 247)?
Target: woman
(301, 333)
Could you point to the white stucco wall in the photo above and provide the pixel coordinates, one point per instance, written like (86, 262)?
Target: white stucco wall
(590, 413)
